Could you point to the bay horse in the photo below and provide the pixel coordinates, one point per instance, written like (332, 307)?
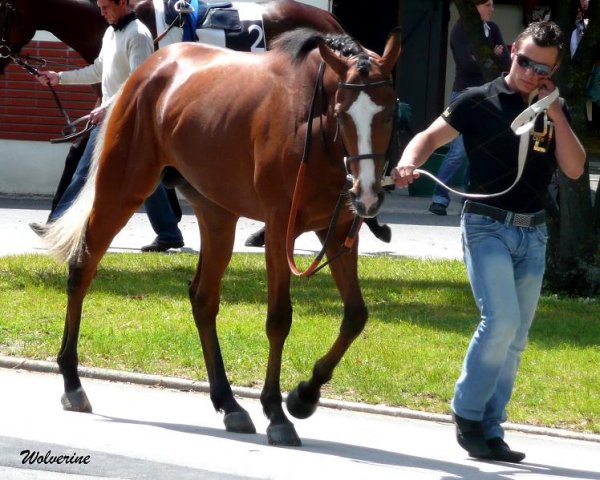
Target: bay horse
(205, 111)
(78, 23)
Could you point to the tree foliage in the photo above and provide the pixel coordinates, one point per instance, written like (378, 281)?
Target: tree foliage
(573, 265)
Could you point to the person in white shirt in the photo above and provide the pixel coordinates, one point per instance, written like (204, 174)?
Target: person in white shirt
(126, 44)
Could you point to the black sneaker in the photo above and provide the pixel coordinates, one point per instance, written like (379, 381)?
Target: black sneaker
(499, 450)
(160, 246)
(38, 228)
(469, 435)
(438, 208)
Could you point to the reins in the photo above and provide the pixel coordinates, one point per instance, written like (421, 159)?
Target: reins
(69, 127)
(351, 236)
(290, 234)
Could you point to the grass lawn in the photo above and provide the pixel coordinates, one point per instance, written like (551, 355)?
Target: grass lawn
(137, 317)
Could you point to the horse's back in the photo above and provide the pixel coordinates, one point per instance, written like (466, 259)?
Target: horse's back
(285, 15)
(209, 108)
(212, 80)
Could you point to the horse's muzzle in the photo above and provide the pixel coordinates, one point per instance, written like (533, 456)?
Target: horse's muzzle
(362, 209)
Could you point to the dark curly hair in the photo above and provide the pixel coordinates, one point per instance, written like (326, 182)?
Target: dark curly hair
(544, 34)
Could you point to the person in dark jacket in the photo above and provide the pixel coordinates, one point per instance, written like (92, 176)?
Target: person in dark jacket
(468, 74)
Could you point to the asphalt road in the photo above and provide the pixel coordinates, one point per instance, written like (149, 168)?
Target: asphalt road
(140, 432)
(156, 433)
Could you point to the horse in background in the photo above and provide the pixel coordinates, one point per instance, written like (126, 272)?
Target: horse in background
(78, 23)
(206, 110)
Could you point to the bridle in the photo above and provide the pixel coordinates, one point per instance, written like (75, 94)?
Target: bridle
(362, 87)
(348, 243)
(6, 52)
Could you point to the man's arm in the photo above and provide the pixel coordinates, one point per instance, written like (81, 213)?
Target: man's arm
(420, 148)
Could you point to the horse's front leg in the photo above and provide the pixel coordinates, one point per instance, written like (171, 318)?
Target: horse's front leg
(302, 401)
(279, 321)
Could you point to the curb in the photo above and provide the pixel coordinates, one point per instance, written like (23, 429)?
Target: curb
(17, 363)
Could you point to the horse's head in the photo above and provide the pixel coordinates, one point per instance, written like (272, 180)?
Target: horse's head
(365, 103)
(16, 29)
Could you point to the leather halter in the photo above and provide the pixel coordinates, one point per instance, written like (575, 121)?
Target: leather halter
(357, 222)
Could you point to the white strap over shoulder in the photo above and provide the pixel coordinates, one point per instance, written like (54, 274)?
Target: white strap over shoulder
(521, 126)
(526, 119)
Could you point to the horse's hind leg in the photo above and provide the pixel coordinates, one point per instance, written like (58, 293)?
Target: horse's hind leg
(217, 228)
(74, 397)
(302, 401)
(114, 204)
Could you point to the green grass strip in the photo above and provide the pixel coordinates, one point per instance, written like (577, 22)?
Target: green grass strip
(137, 317)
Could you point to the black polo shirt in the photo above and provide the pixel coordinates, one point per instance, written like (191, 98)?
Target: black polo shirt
(483, 115)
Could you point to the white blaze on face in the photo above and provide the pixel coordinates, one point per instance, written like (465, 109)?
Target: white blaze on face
(362, 112)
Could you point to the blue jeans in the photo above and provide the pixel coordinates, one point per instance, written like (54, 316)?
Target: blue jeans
(452, 164)
(161, 215)
(78, 179)
(505, 265)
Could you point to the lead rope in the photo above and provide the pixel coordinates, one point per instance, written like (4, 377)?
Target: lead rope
(289, 239)
(36, 73)
(521, 126)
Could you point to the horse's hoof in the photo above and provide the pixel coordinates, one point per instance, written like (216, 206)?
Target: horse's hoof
(76, 401)
(283, 435)
(299, 407)
(239, 422)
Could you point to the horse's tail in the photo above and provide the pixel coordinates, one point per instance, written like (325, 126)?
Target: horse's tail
(65, 237)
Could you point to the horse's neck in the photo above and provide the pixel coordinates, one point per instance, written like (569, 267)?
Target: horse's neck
(77, 23)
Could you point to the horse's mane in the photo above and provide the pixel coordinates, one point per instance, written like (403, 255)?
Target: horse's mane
(298, 43)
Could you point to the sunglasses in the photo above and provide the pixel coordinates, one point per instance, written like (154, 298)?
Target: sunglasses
(540, 69)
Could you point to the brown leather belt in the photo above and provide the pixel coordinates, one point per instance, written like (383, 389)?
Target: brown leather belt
(504, 216)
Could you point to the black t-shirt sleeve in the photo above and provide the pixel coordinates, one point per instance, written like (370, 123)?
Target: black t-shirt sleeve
(457, 113)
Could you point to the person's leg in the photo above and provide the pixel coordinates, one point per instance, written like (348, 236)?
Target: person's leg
(78, 180)
(452, 164)
(71, 162)
(505, 269)
(163, 221)
(529, 266)
(487, 248)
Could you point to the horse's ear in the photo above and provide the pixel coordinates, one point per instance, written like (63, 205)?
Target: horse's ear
(337, 63)
(392, 49)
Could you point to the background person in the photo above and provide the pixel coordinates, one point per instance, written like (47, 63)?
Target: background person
(125, 45)
(467, 74)
(503, 237)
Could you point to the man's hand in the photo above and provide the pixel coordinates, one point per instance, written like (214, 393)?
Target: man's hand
(404, 175)
(48, 78)
(545, 87)
(97, 115)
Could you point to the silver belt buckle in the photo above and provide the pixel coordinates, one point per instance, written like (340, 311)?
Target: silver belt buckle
(522, 220)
